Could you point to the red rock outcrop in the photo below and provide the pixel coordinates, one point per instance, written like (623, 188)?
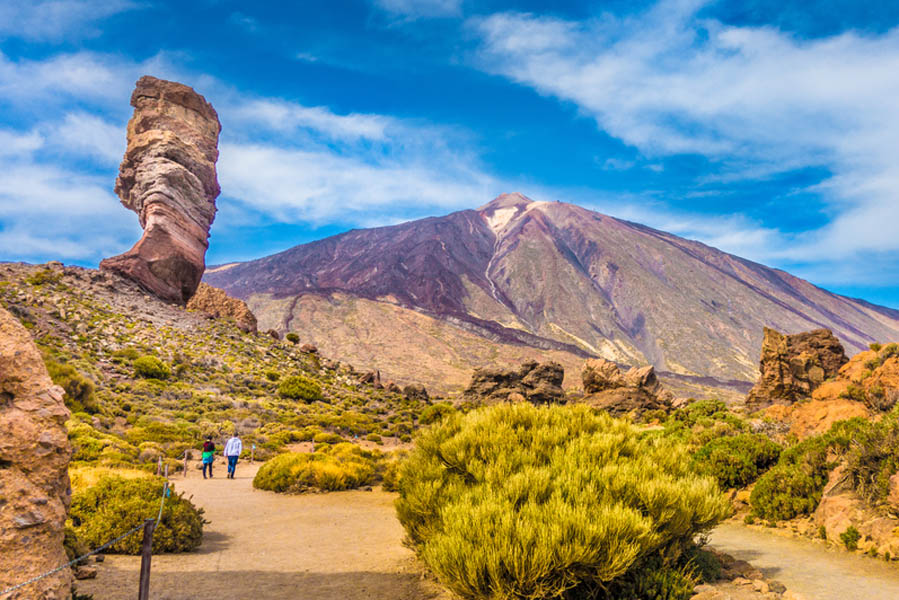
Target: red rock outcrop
(633, 392)
(793, 366)
(539, 383)
(168, 178)
(217, 303)
(34, 458)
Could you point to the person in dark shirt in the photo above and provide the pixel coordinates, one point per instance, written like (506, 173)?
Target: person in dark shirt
(208, 455)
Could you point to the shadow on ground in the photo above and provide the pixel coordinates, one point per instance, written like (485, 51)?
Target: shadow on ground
(221, 585)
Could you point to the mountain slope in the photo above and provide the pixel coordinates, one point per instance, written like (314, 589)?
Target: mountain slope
(546, 277)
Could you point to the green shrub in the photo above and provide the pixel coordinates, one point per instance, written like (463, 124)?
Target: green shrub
(327, 437)
(272, 375)
(339, 467)
(299, 387)
(292, 338)
(374, 437)
(737, 461)
(114, 505)
(889, 351)
(43, 276)
(793, 487)
(873, 458)
(150, 367)
(518, 501)
(875, 346)
(702, 421)
(822, 532)
(850, 538)
(79, 390)
(435, 412)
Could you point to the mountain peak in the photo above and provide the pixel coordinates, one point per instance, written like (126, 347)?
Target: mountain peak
(513, 200)
(502, 209)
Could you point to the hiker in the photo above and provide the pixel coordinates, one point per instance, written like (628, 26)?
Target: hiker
(208, 455)
(232, 453)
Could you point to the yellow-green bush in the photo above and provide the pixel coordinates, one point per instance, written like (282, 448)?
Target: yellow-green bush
(517, 501)
(79, 390)
(331, 468)
(150, 367)
(433, 413)
(299, 387)
(115, 504)
(326, 437)
(390, 477)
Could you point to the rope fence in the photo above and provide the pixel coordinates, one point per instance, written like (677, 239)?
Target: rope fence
(108, 544)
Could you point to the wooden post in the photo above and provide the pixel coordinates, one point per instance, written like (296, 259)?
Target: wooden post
(146, 551)
(159, 466)
(185, 464)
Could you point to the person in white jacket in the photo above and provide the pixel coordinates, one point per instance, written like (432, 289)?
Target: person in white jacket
(233, 448)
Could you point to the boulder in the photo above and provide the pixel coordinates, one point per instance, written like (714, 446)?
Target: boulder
(168, 178)
(309, 349)
(416, 391)
(793, 366)
(371, 378)
(633, 392)
(539, 383)
(34, 458)
(218, 304)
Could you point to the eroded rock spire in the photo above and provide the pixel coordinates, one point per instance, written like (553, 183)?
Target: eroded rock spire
(168, 178)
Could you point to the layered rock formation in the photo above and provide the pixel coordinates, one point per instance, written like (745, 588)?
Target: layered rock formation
(34, 458)
(539, 383)
(793, 366)
(218, 304)
(633, 392)
(168, 178)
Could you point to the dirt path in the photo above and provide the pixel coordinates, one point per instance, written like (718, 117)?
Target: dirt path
(812, 570)
(265, 546)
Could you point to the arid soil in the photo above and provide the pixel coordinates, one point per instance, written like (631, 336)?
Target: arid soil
(808, 568)
(348, 545)
(265, 546)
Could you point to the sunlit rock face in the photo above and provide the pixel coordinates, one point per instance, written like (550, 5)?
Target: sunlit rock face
(168, 178)
(34, 460)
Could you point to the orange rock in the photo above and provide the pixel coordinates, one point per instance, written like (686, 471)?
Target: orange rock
(34, 458)
(217, 303)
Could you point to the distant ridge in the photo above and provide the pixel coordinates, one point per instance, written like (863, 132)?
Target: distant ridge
(530, 278)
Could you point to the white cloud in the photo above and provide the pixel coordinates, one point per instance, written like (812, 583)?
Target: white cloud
(48, 209)
(317, 186)
(414, 9)
(287, 117)
(90, 135)
(756, 101)
(55, 20)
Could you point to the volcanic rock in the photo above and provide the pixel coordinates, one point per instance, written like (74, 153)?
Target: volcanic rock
(633, 392)
(217, 303)
(416, 391)
(793, 366)
(34, 458)
(539, 383)
(309, 349)
(168, 178)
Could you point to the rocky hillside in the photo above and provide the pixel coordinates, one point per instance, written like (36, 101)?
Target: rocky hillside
(146, 379)
(517, 279)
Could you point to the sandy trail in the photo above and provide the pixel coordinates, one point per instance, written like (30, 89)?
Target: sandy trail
(265, 546)
(811, 569)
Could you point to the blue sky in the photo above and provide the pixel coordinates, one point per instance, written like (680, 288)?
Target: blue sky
(766, 128)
